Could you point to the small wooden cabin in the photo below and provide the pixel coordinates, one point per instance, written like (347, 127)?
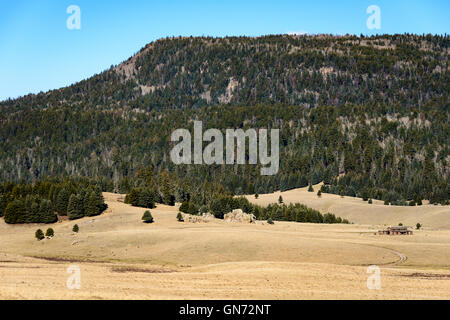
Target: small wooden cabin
(396, 231)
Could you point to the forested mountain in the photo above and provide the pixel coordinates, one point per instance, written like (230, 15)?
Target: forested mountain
(369, 116)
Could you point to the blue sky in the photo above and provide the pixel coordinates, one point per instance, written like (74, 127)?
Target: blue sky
(38, 52)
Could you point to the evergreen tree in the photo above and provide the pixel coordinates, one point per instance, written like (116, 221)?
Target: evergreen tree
(75, 228)
(39, 234)
(49, 233)
(184, 207)
(180, 217)
(75, 207)
(147, 217)
(62, 201)
(15, 212)
(46, 212)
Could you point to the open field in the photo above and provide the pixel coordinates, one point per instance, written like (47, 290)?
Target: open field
(358, 211)
(122, 258)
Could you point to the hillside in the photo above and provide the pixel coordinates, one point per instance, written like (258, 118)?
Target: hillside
(376, 109)
(361, 212)
(122, 258)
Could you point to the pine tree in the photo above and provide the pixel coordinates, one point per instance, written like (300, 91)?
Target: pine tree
(280, 199)
(62, 201)
(39, 234)
(92, 205)
(15, 212)
(180, 217)
(46, 212)
(75, 228)
(49, 233)
(184, 207)
(75, 207)
(147, 217)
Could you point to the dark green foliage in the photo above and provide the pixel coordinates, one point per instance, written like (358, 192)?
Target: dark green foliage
(75, 209)
(49, 233)
(370, 201)
(400, 224)
(47, 214)
(180, 217)
(280, 199)
(270, 221)
(15, 212)
(39, 234)
(319, 193)
(147, 217)
(256, 196)
(62, 201)
(75, 228)
(310, 188)
(184, 207)
(142, 197)
(418, 226)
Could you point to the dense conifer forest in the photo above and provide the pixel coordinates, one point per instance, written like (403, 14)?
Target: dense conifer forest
(368, 116)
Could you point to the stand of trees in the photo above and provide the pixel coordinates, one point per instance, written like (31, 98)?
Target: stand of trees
(44, 201)
(363, 114)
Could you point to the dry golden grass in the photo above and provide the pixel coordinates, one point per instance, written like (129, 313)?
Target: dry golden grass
(122, 258)
(358, 211)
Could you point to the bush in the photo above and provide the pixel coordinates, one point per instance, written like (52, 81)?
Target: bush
(370, 201)
(256, 196)
(310, 188)
(270, 221)
(49, 233)
(412, 203)
(280, 199)
(180, 217)
(75, 228)
(147, 217)
(39, 234)
(184, 207)
(400, 224)
(418, 226)
(319, 193)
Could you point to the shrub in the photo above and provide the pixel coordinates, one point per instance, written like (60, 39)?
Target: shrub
(400, 224)
(75, 228)
(270, 221)
(370, 201)
(280, 199)
(418, 226)
(180, 217)
(184, 207)
(49, 233)
(412, 203)
(256, 196)
(310, 188)
(319, 193)
(147, 217)
(39, 234)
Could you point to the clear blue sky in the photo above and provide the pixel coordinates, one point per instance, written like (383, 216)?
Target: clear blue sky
(38, 52)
